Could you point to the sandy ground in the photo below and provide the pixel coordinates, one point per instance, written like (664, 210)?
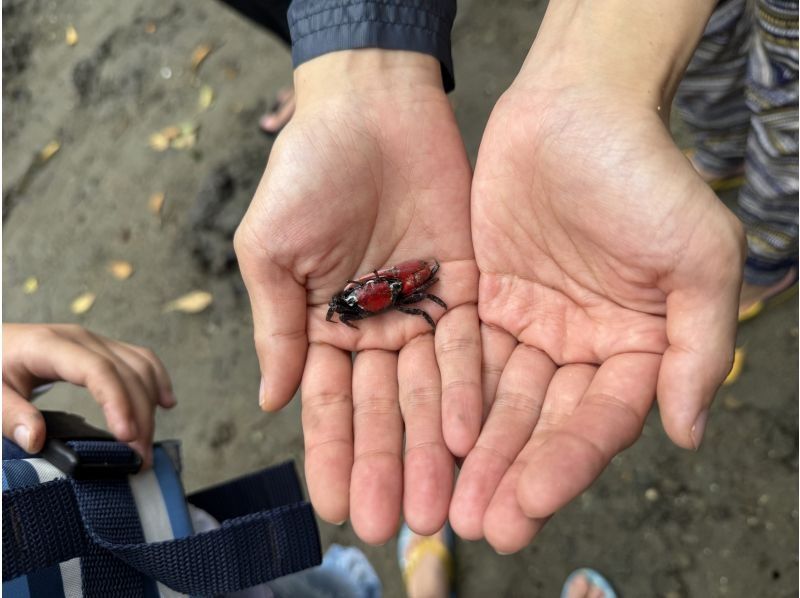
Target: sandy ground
(659, 522)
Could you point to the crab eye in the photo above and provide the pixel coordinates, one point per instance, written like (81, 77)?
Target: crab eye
(397, 286)
(350, 300)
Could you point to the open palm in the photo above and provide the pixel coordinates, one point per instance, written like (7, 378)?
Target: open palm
(351, 186)
(608, 271)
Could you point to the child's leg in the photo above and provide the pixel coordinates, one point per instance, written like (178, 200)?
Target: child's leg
(768, 202)
(711, 98)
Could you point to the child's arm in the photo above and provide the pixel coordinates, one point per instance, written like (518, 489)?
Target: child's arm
(126, 380)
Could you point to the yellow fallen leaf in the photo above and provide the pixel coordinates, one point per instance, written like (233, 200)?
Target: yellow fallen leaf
(121, 270)
(206, 97)
(155, 203)
(158, 142)
(71, 36)
(30, 286)
(736, 369)
(184, 141)
(186, 136)
(82, 303)
(187, 128)
(150, 27)
(191, 303)
(199, 54)
(49, 150)
(172, 131)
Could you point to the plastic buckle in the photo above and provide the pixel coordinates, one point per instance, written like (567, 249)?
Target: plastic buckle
(64, 429)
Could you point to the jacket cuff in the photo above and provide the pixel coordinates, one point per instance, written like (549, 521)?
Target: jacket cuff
(322, 26)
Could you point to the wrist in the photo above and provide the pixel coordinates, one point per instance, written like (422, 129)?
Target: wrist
(370, 72)
(636, 51)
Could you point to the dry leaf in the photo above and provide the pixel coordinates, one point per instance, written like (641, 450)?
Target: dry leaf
(121, 270)
(187, 128)
(49, 150)
(184, 141)
(71, 36)
(82, 303)
(156, 202)
(199, 54)
(171, 132)
(158, 142)
(30, 286)
(150, 27)
(736, 369)
(191, 303)
(181, 136)
(206, 97)
(187, 136)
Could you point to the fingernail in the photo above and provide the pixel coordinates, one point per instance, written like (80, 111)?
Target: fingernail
(168, 397)
(22, 436)
(501, 553)
(261, 393)
(699, 428)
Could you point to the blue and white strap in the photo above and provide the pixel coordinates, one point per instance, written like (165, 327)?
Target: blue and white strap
(132, 536)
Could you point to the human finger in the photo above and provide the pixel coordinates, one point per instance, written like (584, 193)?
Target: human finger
(327, 417)
(22, 422)
(376, 487)
(428, 474)
(513, 416)
(166, 396)
(458, 354)
(496, 347)
(52, 357)
(608, 419)
(506, 527)
(701, 328)
(278, 303)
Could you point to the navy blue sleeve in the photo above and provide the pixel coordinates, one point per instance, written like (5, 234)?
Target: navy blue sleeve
(321, 26)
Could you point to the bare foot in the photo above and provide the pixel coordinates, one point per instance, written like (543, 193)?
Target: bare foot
(752, 294)
(582, 585)
(426, 572)
(282, 111)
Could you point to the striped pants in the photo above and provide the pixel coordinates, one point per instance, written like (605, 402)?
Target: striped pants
(739, 98)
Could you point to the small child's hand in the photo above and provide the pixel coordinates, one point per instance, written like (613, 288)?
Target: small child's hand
(126, 380)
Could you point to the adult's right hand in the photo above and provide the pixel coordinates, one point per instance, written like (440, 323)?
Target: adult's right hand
(370, 171)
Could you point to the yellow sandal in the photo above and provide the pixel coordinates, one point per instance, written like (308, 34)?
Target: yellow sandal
(442, 549)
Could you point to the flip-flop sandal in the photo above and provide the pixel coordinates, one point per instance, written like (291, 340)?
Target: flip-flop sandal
(594, 578)
(723, 182)
(432, 545)
(739, 356)
(775, 298)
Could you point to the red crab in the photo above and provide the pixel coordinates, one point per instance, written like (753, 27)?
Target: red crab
(391, 288)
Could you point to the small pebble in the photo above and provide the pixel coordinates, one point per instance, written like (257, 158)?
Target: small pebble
(752, 521)
(763, 499)
(166, 72)
(651, 494)
(713, 487)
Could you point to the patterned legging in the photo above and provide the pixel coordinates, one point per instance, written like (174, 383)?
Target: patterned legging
(739, 98)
